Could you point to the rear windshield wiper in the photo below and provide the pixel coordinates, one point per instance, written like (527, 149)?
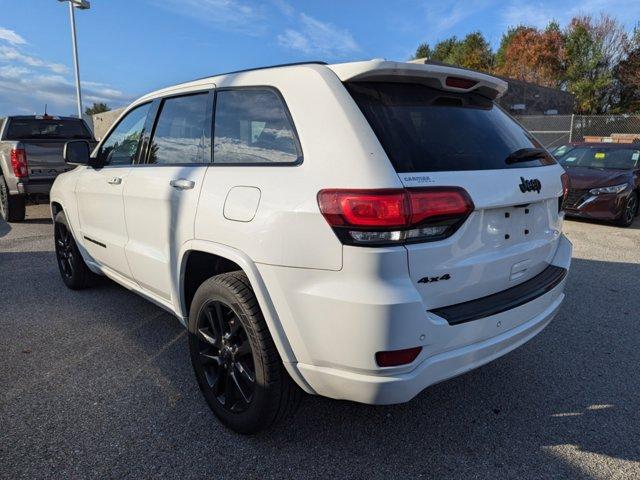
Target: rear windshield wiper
(525, 154)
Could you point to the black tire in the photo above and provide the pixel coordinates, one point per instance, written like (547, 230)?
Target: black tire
(74, 271)
(230, 344)
(630, 211)
(12, 207)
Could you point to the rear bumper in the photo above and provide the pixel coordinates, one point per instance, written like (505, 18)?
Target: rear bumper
(336, 321)
(390, 389)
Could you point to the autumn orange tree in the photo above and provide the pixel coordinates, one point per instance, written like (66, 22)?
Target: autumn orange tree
(532, 55)
(594, 59)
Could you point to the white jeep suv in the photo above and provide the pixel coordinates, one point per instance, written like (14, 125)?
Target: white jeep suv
(359, 231)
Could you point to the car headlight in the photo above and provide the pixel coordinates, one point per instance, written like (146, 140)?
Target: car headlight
(612, 189)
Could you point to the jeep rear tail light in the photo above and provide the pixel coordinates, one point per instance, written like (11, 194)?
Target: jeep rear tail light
(19, 162)
(397, 357)
(394, 216)
(565, 189)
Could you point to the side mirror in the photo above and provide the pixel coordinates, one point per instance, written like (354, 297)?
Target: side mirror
(77, 152)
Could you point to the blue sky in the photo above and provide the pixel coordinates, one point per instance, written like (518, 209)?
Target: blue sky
(130, 47)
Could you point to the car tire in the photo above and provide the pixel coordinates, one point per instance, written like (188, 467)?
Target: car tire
(12, 207)
(630, 211)
(73, 269)
(234, 358)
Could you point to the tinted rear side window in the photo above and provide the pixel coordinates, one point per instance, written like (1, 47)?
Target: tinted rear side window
(32, 128)
(252, 127)
(427, 130)
(183, 132)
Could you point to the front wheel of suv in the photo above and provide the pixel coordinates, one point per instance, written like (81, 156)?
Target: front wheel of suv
(74, 271)
(234, 357)
(12, 207)
(630, 211)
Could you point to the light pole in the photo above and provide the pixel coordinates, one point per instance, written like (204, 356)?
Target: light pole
(82, 5)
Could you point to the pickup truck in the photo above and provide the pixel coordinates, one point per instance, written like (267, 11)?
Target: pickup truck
(31, 158)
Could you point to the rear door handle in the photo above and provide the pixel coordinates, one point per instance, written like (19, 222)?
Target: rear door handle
(115, 181)
(182, 184)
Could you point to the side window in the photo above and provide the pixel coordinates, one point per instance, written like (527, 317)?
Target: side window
(121, 145)
(252, 127)
(183, 131)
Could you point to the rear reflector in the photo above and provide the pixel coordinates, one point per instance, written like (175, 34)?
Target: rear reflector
(397, 357)
(392, 216)
(457, 82)
(19, 162)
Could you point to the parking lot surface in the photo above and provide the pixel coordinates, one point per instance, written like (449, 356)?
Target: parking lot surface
(98, 384)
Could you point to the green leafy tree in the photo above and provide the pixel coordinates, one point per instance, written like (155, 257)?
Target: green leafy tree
(423, 51)
(473, 51)
(593, 49)
(443, 50)
(97, 107)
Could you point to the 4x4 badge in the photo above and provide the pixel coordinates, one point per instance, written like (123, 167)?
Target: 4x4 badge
(533, 185)
(446, 276)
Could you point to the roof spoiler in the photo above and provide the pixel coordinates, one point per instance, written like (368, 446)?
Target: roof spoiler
(427, 72)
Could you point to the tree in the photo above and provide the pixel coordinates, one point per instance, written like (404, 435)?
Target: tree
(97, 108)
(532, 55)
(627, 75)
(471, 52)
(593, 49)
(443, 50)
(423, 51)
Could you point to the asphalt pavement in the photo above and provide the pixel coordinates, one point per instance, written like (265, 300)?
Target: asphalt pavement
(98, 384)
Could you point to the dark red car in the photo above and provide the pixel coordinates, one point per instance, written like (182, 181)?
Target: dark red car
(604, 180)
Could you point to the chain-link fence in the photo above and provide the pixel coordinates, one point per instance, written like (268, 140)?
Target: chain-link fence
(555, 130)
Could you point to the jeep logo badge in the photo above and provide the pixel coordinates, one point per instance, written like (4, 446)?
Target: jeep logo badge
(532, 185)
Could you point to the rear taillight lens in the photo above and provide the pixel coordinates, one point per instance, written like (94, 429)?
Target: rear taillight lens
(397, 357)
(394, 216)
(565, 189)
(19, 162)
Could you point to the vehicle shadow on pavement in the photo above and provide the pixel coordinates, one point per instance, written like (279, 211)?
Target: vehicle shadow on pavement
(5, 228)
(98, 383)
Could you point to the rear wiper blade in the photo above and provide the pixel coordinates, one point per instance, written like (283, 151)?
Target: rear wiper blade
(525, 154)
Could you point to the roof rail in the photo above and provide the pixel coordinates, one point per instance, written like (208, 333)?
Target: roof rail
(317, 62)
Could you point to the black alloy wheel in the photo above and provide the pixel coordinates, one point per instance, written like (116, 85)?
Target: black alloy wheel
(234, 357)
(73, 269)
(64, 250)
(225, 356)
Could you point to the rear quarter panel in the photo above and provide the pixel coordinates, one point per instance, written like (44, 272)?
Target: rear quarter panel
(339, 150)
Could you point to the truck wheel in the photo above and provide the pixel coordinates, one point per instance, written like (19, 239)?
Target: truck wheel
(12, 207)
(74, 271)
(630, 211)
(234, 358)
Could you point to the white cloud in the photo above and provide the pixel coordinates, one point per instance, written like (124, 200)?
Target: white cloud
(12, 54)
(313, 36)
(28, 82)
(229, 15)
(11, 37)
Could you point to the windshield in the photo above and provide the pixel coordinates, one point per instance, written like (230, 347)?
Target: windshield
(619, 158)
(423, 129)
(33, 128)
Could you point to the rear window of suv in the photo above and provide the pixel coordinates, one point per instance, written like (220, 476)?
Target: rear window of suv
(427, 130)
(33, 128)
